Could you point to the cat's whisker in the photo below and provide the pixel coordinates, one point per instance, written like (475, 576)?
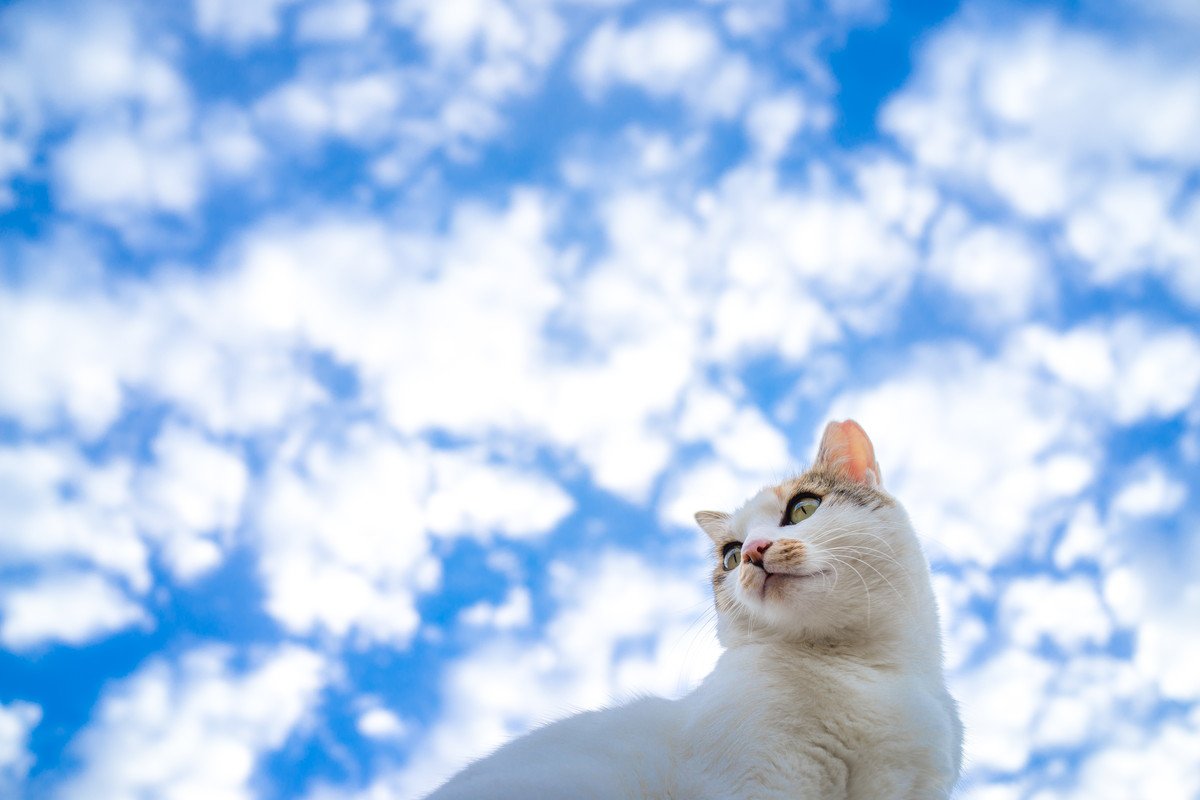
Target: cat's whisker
(843, 532)
(882, 556)
(866, 588)
(901, 597)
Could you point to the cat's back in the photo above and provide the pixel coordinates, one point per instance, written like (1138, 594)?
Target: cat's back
(623, 752)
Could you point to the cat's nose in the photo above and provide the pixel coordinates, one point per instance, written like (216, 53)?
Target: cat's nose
(754, 550)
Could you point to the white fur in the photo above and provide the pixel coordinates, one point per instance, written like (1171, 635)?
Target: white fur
(831, 687)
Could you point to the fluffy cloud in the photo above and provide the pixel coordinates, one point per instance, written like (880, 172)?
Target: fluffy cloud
(997, 270)
(1067, 612)
(1157, 764)
(60, 510)
(1064, 96)
(239, 22)
(514, 612)
(1129, 369)
(1005, 696)
(130, 146)
(514, 30)
(195, 727)
(482, 55)
(334, 20)
(70, 607)
(669, 55)
(344, 535)
(17, 719)
(360, 108)
(1052, 121)
(83, 65)
(193, 492)
(114, 170)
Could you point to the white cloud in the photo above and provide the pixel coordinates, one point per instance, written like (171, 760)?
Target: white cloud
(1053, 121)
(128, 113)
(1001, 274)
(404, 307)
(513, 612)
(1002, 700)
(1149, 589)
(196, 727)
(706, 485)
(1068, 94)
(1090, 700)
(1160, 763)
(344, 534)
(239, 22)
(1005, 791)
(71, 608)
(1083, 539)
(1148, 493)
(229, 143)
(670, 55)
(482, 54)
(1128, 368)
(223, 347)
(469, 494)
(832, 256)
(380, 723)
(192, 493)
(78, 349)
(1068, 612)
(773, 122)
(1136, 223)
(896, 194)
(362, 108)
(739, 434)
(60, 510)
(497, 27)
(1167, 646)
(83, 64)
(17, 719)
(115, 172)
(334, 20)
(56, 363)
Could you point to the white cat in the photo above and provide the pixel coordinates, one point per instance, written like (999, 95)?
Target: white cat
(831, 684)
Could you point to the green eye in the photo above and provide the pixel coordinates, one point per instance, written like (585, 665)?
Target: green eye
(732, 555)
(801, 508)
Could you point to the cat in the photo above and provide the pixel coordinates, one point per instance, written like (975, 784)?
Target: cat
(830, 686)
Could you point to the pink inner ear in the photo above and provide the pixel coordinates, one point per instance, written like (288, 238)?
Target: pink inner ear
(845, 448)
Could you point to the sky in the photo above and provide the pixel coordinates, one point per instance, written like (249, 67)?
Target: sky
(362, 365)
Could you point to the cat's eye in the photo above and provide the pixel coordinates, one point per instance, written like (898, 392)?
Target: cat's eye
(800, 508)
(732, 555)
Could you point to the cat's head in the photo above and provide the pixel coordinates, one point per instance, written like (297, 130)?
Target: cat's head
(826, 556)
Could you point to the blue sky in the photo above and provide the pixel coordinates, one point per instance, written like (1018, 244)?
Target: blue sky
(363, 365)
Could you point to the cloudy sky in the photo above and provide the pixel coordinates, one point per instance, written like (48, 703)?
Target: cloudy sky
(361, 366)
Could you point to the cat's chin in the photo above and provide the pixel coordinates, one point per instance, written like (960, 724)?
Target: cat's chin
(777, 586)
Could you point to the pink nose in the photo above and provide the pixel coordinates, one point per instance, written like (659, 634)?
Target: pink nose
(753, 551)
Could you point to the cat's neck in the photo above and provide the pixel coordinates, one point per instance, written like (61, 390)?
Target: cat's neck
(852, 648)
(882, 646)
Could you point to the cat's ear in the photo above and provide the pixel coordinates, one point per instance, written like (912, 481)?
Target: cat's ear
(715, 524)
(846, 450)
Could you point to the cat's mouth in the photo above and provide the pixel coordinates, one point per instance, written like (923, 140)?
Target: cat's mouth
(779, 579)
